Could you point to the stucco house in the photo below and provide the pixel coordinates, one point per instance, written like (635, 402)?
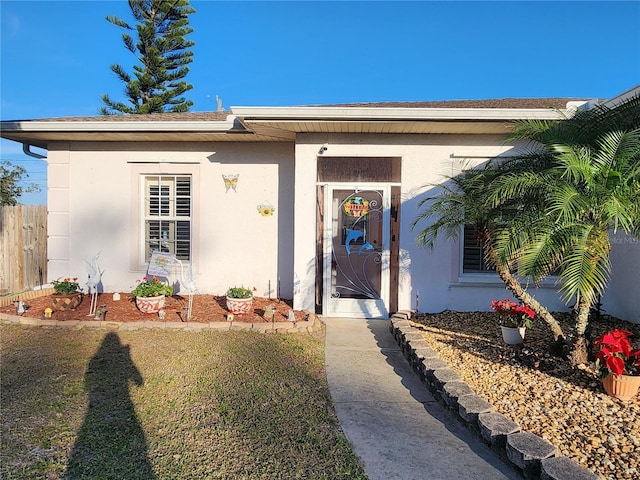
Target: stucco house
(309, 203)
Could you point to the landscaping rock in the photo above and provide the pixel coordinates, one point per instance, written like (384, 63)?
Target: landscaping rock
(423, 352)
(563, 468)
(454, 390)
(417, 357)
(494, 428)
(444, 375)
(526, 450)
(429, 365)
(563, 405)
(470, 407)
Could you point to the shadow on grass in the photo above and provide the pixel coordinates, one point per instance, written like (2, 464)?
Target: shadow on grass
(110, 442)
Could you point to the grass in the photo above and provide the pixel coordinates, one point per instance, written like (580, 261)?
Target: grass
(167, 404)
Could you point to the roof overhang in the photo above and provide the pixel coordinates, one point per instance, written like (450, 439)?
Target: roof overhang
(262, 120)
(273, 124)
(41, 132)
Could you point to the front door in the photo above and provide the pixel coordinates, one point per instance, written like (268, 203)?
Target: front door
(356, 251)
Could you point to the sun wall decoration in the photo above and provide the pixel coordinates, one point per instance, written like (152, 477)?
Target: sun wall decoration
(266, 209)
(230, 181)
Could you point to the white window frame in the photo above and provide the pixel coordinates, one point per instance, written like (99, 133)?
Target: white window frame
(168, 216)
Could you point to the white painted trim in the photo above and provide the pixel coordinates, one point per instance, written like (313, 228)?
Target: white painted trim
(302, 114)
(351, 184)
(178, 162)
(119, 126)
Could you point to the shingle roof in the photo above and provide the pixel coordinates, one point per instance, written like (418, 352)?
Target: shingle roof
(507, 103)
(154, 117)
(490, 103)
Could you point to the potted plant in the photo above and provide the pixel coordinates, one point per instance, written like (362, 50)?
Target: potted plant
(239, 300)
(66, 294)
(618, 364)
(150, 294)
(514, 319)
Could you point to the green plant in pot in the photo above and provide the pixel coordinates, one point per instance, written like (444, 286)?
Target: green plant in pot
(67, 294)
(149, 294)
(151, 287)
(239, 300)
(67, 286)
(618, 364)
(239, 292)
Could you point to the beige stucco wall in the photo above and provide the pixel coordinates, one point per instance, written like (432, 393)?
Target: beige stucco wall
(622, 296)
(429, 280)
(94, 207)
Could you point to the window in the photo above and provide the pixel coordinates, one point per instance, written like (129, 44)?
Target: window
(473, 257)
(167, 215)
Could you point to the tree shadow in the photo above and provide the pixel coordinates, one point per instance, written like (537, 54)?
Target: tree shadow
(433, 408)
(110, 443)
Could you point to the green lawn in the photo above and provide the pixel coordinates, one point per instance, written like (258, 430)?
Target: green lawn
(167, 405)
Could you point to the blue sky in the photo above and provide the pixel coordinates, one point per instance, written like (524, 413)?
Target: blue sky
(55, 55)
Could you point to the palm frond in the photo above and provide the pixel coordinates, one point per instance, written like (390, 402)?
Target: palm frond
(574, 163)
(510, 186)
(586, 268)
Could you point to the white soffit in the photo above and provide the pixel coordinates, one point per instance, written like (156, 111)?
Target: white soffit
(388, 120)
(394, 113)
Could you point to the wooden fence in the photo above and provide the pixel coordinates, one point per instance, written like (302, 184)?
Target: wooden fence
(23, 247)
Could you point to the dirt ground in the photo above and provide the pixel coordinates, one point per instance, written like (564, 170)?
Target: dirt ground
(206, 308)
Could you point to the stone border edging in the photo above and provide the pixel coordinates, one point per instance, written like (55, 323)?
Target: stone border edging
(308, 326)
(530, 454)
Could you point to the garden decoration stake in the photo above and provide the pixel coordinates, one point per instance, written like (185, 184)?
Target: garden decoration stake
(188, 281)
(161, 264)
(94, 275)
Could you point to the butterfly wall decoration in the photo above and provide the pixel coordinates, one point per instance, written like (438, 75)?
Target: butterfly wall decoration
(230, 181)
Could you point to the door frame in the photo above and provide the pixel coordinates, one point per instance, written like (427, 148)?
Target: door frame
(356, 308)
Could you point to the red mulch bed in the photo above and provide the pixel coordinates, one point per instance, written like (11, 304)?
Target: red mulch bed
(206, 308)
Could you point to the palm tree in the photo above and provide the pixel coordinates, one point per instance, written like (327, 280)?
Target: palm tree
(462, 200)
(586, 188)
(550, 209)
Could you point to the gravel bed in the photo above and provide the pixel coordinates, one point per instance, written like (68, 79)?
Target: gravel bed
(567, 407)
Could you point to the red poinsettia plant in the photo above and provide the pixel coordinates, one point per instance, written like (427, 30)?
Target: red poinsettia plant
(511, 314)
(616, 354)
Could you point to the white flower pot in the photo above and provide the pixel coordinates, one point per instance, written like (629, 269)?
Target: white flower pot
(513, 335)
(239, 306)
(150, 304)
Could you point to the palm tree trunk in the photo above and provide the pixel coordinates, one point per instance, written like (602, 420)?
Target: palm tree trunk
(513, 285)
(579, 352)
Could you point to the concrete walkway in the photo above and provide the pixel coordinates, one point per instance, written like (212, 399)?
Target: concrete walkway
(396, 427)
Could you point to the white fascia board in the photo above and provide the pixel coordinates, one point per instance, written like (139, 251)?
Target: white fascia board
(376, 113)
(119, 126)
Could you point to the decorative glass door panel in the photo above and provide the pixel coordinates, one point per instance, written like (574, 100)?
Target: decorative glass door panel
(357, 252)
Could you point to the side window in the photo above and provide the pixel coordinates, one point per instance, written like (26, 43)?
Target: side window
(167, 215)
(473, 257)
